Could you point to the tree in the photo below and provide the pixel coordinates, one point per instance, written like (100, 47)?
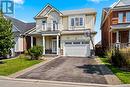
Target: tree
(6, 36)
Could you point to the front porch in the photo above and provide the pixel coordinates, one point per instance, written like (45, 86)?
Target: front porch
(120, 39)
(50, 43)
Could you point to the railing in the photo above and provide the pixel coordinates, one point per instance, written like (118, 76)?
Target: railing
(49, 27)
(120, 45)
(116, 21)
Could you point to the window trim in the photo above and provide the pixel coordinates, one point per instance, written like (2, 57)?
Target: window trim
(122, 15)
(79, 18)
(127, 16)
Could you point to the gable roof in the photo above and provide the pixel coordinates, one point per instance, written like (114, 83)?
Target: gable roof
(119, 3)
(123, 3)
(20, 25)
(64, 13)
(79, 11)
(47, 12)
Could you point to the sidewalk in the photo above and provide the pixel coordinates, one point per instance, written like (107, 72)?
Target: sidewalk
(12, 82)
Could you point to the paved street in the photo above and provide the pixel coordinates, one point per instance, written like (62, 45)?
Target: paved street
(22, 83)
(41, 83)
(69, 69)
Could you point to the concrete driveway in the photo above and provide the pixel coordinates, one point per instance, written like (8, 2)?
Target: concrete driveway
(69, 69)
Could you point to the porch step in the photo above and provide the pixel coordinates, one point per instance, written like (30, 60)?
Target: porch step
(50, 55)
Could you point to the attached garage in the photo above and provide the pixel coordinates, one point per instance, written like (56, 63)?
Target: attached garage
(76, 48)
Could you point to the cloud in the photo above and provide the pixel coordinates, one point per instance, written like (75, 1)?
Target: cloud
(18, 1)
(97, 1)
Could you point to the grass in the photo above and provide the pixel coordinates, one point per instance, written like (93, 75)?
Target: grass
(124, 76)
(10, 66)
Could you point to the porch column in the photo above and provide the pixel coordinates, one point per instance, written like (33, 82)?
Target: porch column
(57, 44)
(43, 38)
(129, 39)
(31, 41)
(117, 37)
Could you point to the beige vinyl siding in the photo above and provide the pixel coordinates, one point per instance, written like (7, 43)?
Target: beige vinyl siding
(38, 24)
(65, 22)
(90, 21)
(39, 41)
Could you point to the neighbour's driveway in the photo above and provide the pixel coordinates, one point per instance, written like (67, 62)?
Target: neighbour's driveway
(69, 69)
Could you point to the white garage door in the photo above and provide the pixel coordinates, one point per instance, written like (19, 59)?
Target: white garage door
(78, 49)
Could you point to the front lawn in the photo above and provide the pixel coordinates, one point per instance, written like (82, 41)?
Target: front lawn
(122, 75)
(10, 66)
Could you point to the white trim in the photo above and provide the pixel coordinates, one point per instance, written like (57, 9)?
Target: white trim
(47, 12)
(127, 17)
(117, 36)
(50, 34)
(120, 14)
(57, 42)
(42, 10)
(30, 31)
(44, 45)
(54, 51)
(31, 41)
(76, 16)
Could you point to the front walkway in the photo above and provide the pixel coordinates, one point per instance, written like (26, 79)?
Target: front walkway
(72, 69)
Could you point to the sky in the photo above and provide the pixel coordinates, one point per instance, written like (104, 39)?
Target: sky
(25, 10)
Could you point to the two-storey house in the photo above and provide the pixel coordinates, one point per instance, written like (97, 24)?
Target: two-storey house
(115, 25)
(64, 32)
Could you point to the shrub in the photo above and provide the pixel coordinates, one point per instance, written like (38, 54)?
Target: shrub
(35, 52)
(26, 53)
(119, 57)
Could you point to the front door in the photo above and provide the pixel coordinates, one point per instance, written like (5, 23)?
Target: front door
(54, 46)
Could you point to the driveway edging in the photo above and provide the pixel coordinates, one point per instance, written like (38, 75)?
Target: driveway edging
(31, 68)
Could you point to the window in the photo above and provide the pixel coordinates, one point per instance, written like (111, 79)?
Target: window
(76, 42)
(72, 21)
(84, 42)
(43, 22)
(81, 21)
(120, 18)
(77, 21)
(68, 42)
(128, 17)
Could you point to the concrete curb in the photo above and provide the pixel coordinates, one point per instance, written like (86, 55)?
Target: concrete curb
(31, 68)
(61, 83)
(111, 78)
(54, 82)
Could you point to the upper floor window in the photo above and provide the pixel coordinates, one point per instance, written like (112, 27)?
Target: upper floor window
(120, 18)
(81, 21)
(128, 17)
(77, 21)
(43, 22)
(72, 21)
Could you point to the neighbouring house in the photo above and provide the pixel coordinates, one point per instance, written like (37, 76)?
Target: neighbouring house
(64, 33)
(22, 42)
(115, 25)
